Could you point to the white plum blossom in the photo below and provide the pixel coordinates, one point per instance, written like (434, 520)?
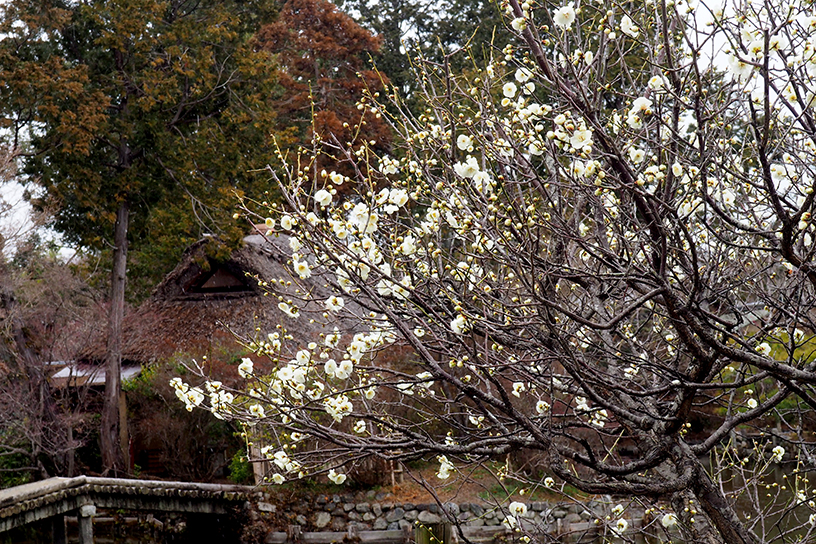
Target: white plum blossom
(288, 222)
(668, 520)
(519, 24)
(628, 27)
(336, 477)
(620, 526)
(245, 368)
(459, 324)
(388, 166)
(467, 169)
(302, 269)
(334, 303)
(445, 468)
(641, 107)
(323, 197)
(338, 407)
(464, 142)
(289, 310)
(518, 509)
(778, 453)
(564, 16)
(523, 75)
(636, 155)
(482, 182)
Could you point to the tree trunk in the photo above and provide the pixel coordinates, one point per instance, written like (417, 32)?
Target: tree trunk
(112, 456)
(719, 511)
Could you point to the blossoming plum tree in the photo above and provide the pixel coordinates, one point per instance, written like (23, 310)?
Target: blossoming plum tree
(596, 241)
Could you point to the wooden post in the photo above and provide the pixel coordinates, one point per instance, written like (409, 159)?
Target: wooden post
(293, 534)
(86, 514)
(433, 533)
(407, 534)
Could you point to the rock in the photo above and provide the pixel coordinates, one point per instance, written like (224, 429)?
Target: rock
(368, 516)
(363, 507)
(321, 500)
(538, 506)
(266, 507)
(354, 516)
(349, 506)
(338, 512)
(476, 522)
(377, 509)
(394, 526)
(300, 519)
(371, 494)
(422, 507)
(572, 518)
(408, 506)
(338, 524)
(426, 516)
(402, 524)
(558, 512)
(380, 524)
(411, 515)
(464, 516)
(451, 508)
(322, 520)
(380, 496)
(477, 510)
(395, 515)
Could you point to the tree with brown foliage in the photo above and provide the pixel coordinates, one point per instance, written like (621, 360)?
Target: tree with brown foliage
(323, 55)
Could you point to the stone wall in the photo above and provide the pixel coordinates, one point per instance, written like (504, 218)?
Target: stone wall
(377, 512)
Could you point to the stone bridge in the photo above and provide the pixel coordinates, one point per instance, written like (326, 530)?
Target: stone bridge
(81, 496)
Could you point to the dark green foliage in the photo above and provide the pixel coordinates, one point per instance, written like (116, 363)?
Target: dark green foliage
(163, 104)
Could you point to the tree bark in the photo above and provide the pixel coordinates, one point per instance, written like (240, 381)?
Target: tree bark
(112, 456)
(720, 512)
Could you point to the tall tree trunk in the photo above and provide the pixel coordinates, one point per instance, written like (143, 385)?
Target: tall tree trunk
(113, 459)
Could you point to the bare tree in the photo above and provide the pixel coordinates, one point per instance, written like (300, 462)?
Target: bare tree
(600, 240)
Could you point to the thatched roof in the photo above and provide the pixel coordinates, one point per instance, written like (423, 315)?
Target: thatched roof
(204, 303)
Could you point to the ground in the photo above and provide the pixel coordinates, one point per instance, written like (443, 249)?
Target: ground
(480, 487)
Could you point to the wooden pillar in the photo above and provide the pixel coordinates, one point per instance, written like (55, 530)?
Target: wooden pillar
(433, 533)
(294, 534)
(86, 514)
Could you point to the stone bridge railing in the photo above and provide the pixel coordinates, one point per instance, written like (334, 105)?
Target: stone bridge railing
(83, 495)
